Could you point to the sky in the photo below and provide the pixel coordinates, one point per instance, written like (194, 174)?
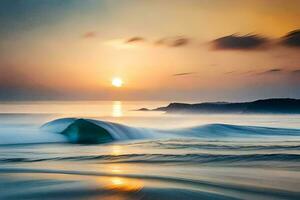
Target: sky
(175, 50)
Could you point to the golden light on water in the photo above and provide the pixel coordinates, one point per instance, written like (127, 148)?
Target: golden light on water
(124, 184)
(116, 169)
(116, 150)
(117, 109)
(117, 181)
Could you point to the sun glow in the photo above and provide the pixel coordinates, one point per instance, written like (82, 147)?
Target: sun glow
(117, 82)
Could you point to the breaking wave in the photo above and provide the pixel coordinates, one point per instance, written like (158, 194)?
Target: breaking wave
(89, 131)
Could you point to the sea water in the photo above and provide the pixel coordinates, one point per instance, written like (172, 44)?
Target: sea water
(154, 155)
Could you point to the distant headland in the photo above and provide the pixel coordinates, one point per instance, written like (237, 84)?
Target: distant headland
(274, 106)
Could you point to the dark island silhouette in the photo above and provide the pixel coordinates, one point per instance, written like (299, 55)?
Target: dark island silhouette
(274, 106)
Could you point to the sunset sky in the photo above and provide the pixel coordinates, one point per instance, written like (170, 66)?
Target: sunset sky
(188, 50)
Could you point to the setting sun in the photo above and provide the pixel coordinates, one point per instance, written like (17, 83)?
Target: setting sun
(117, 82)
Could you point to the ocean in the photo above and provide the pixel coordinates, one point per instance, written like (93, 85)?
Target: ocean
(150, 155)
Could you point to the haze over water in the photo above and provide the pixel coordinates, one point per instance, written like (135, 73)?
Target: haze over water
(203, 157)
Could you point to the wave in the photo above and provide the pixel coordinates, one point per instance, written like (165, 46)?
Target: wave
(169, 158)
(220, 145)
(90, 131)
(228, 130)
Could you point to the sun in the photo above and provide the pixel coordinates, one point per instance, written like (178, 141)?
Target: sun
(117, 82)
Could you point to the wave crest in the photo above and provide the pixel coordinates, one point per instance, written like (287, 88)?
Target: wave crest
(89, 131)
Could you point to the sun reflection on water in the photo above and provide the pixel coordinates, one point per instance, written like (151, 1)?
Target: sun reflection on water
(117, 109)
(123, 184)
(116, 169)
(116, 150)
(116, 180)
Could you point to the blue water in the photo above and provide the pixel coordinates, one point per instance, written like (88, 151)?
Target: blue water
(152, 155)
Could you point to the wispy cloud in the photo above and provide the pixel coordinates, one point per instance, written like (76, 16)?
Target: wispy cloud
(176, 41)
(296, 72)
(184, 74)
(90, 34)
(292, 39)
(271, 71)
(135, 39)
(249, 72)
(229, 42)
(236, 42)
